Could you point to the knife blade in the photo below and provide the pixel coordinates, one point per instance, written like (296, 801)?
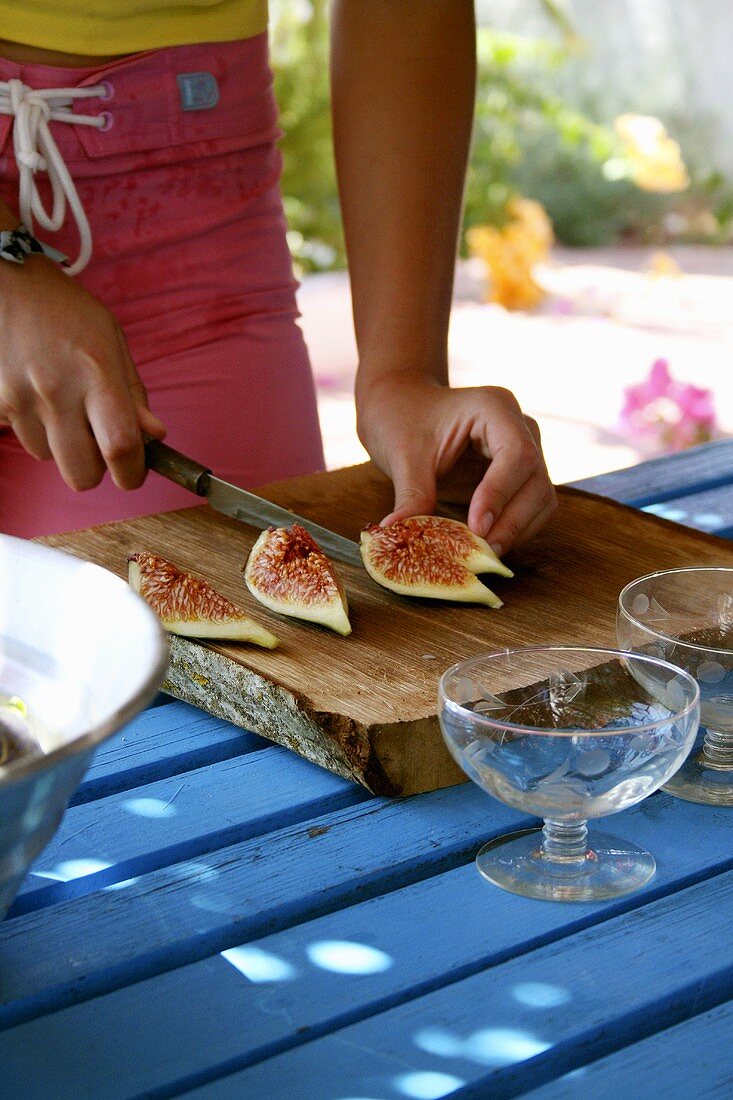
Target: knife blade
(232, 501)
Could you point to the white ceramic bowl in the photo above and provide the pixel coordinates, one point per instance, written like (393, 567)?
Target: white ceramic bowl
(82, 653)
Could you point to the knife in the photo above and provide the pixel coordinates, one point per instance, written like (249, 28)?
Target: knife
(238, 503)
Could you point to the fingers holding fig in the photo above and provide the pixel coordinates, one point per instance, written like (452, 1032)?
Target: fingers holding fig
(433, 557)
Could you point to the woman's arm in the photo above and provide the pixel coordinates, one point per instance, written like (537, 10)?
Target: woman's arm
(403, 86)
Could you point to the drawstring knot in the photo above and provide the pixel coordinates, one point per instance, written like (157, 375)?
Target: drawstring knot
(37, 151)
(33, 161)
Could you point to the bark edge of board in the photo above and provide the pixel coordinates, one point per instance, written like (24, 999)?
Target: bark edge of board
(391, 760)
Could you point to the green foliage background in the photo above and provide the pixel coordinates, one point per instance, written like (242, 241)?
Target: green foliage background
(526, 139)
(299, 47)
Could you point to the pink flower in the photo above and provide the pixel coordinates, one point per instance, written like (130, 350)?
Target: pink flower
(665, 415)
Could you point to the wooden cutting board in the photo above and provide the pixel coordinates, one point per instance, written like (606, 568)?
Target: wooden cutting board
(365, 706)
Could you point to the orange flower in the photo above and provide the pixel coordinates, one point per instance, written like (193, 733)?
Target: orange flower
(510, 253)
(655, 159)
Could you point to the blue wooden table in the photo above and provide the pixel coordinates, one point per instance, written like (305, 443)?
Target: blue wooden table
(217, 917)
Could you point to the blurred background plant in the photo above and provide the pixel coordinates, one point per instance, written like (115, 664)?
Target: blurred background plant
(299, 46)
(661, 415)
(600, 179)
(511, 251)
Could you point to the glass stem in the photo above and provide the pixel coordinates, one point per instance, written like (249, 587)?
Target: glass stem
(717, 750)
(564, 841)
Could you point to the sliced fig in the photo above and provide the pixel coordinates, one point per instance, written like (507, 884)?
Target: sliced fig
(190, 606)
(432, 557)
(288, 572)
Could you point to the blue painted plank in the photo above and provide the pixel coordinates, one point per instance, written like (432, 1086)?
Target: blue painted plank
(184, 817)
(314, 978)
(691, 471)
(510, 1027)
(688, 1060)
(182, 913)
(317, 1001)
(710, 511)
(162, 741)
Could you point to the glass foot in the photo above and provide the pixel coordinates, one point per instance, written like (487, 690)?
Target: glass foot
(696, 781)
(609, 868)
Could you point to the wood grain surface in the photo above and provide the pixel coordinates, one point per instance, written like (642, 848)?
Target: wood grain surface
(365, 706)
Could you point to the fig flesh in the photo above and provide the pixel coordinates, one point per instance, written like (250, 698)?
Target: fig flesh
(288, 572)
(433, 557)
(190, 606)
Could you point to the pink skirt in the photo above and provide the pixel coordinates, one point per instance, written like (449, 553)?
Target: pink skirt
(189, 253)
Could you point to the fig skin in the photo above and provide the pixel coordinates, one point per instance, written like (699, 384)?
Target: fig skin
(190, 606)
(289, 573)
(431, 557)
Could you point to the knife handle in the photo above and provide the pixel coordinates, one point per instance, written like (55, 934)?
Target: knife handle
(176, 467)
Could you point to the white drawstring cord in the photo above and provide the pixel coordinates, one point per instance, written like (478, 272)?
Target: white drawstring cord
(36, 150)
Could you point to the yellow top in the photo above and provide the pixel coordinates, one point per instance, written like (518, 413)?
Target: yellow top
(127, 26)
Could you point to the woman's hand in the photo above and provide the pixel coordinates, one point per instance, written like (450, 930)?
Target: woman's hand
(421, 433)
(68, 387)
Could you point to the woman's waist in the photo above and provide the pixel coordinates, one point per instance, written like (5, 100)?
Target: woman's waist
(151, 101)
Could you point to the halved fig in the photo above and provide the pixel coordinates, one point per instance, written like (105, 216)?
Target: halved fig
(288, 572)
(190, 606)
(432, 557)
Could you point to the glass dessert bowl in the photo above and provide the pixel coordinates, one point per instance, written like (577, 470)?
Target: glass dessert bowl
(567, 733)
(685, 616)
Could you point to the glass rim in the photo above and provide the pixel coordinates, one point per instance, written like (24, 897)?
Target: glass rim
(660, 633)
(569, 731)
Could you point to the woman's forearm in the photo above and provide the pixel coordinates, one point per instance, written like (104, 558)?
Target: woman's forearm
(403, 85)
